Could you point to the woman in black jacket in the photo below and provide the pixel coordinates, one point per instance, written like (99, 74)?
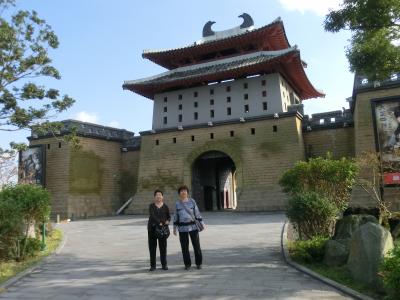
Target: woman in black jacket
(158, 216)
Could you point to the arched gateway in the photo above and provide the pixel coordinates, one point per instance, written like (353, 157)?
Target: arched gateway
(214, 181)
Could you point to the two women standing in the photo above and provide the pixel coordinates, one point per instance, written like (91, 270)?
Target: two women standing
(186, 216)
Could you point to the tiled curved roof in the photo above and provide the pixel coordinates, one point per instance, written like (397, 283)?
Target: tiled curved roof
(262, 61)
(274, 33)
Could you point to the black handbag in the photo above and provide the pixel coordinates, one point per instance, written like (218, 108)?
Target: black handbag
(162, 232)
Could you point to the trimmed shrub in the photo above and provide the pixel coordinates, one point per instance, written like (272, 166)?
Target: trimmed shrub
(21, 206)
(309, 251)
(326, 176)
(312, 215)
(390, 271)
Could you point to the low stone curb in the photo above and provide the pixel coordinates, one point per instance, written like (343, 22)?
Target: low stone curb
(334, 284)
(19, 276)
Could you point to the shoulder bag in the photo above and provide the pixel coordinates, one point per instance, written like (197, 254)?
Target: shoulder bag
(199, 225)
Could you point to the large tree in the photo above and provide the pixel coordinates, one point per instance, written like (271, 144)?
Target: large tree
(25, 103)
(374, 50)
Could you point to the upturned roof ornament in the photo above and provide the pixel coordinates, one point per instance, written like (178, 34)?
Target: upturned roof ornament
(247, 23)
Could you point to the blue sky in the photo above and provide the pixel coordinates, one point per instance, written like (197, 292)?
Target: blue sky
(101, 43)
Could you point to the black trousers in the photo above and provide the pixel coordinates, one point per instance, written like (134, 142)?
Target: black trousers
(162, 244)
(184, 239)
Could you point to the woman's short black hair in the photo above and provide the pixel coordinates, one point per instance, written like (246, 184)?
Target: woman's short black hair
(183, 187)
(158, 191)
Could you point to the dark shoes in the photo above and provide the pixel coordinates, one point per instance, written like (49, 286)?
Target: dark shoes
(198, 267)
(152, 269)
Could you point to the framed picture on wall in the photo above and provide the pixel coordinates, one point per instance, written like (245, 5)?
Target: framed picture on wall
(31, 165)
(386, 118)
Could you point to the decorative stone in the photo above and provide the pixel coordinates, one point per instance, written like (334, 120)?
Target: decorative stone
(346, 226)
(368, 245)
(336, 253)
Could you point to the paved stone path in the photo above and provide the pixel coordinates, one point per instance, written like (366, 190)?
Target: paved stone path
(108, 259)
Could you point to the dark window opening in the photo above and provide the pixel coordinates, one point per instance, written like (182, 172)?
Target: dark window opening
(232, 133)
(195, 94)
(196, 115)
(59, 144)
(180, 97)
(228, 88)
(165, 109)
(211, 101)
(180, 107)
(263, 82)
(264, 93)
(165, 120)
(192, 138)
(246, 96)
(165, 99)
(253, 131)
(228, 111)
(211, 135)
(228, 99)
(265, 106)
(212, 92)
(245, 85)
(274, 128)
(179, 118)
(246, 108)
(174, 140)
(157, 142)
(212, 113)
(48, 146)
(196, 104)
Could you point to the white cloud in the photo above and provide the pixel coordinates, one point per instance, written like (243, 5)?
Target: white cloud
(318, 7)
(114, 124)
(86, 117)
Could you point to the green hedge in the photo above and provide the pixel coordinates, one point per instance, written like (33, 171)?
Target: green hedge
(331, 178)
(21, 206)
(390, 271)
(312, 215)
(309, 251)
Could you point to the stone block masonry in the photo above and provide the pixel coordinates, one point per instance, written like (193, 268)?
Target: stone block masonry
(57, 174)
(261, 150)
(338, 141)
(87, 182)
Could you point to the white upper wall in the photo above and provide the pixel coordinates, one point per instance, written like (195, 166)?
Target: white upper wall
(266, 95)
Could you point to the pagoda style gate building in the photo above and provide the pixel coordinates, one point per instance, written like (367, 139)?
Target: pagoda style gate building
(228, 120)
(225, 118)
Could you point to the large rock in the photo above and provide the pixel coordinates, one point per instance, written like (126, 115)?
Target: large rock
(368, 245)
(336, 253)
(346, 226)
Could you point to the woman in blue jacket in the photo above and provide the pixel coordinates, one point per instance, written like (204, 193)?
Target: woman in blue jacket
(186, 213)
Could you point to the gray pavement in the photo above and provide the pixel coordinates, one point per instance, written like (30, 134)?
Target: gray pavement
(108, 259)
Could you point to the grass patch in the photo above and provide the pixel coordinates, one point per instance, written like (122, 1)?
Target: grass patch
(10, 268)
(342, 276)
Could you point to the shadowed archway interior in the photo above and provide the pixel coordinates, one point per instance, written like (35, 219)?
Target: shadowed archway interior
(213, 181)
